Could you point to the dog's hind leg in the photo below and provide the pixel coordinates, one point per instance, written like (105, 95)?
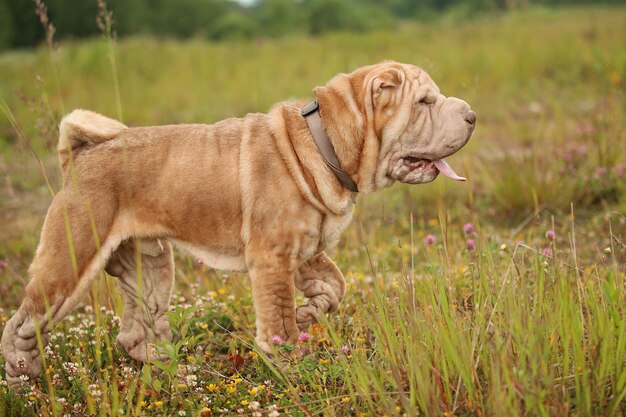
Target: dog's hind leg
(68, 258)
(145, 269)
(323, 284)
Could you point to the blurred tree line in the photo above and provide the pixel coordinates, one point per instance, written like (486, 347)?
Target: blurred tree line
(230, 19)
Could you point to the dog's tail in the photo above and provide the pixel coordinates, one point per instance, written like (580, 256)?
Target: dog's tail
(83, 128)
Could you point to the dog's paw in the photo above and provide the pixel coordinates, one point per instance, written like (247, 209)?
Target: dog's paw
(306, 315)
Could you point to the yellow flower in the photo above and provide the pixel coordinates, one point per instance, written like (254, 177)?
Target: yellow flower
(181, 386)
(142, 403)
(433, 222)
(238, 380)
(253, 355)
(261, 387)
(204, 326)
(398, 408)
(244, 402)
(345, 400)
(212, 294)
(231, 390)
(252, 391)
(158, 403)
(615, 77)
(206, 412)
(213, 388)
(324, 361)
(222, 291)
(360, 340)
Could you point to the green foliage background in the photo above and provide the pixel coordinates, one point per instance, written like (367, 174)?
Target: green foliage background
(228, 19)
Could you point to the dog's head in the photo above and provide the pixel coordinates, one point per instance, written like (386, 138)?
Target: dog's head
(390, 122)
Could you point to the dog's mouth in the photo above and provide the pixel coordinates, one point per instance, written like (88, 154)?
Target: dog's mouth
(424, 165)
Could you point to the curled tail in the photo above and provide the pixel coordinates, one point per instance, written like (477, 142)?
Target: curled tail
(82, 128)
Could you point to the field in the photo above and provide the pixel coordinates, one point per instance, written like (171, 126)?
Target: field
(501, 296)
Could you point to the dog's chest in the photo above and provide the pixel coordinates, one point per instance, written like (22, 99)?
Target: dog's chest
(332, 228)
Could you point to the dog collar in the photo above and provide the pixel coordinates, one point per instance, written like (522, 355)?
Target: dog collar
(311, 114)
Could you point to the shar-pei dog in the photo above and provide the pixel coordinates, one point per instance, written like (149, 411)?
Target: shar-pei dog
(265, 193)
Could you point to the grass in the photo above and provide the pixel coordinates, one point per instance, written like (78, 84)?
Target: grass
(521, 324)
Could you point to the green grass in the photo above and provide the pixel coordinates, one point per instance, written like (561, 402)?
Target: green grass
(501, 330)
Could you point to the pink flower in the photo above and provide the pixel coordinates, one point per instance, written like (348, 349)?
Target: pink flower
(470, 244)
(547, 252)
(277, 340)
(3, 265)
(469, 229)
(550, 234)
(304, 337)
(619, 170)
(430, 239)
(345, 349)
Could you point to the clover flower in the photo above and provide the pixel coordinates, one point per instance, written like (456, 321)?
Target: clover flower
(277, 340)
(430, 239)
(469, 229)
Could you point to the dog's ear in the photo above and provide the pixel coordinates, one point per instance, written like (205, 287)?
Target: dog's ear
(387, 79)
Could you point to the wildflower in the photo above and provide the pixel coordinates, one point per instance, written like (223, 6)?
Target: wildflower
(469, 229)
(244, 402)
(277, 340)
(345, 400)
(547, 251)
(430, 239)
(254, 405)
(213, 388)
(182, 413)
(253, 355)
(304, 337)
(607, 250)
(470, 244)
(550, 234)
(252, 391)
(273, 411)
(206, 412)
(261, 387)
(231, 389)
(324, 361)
(158, 403)
(3, 265)
(360, 340)
(345, 349)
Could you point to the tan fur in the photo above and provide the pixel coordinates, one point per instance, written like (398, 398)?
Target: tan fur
(250, 194)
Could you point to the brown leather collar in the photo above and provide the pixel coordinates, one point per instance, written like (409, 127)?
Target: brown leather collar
(311, 114)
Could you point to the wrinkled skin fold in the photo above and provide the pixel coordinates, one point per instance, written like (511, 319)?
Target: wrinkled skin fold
(250, 194)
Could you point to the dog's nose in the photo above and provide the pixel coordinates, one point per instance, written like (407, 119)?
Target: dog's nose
(470, 117)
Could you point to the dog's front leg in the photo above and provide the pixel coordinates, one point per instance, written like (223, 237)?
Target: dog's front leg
(273, 294)
(323, 284)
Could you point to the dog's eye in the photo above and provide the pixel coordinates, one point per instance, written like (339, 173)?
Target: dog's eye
(428, 100)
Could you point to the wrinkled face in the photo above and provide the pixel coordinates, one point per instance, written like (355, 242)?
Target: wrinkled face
(418, 126)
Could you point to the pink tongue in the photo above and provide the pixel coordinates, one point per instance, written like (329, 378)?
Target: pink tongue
(447, 170)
